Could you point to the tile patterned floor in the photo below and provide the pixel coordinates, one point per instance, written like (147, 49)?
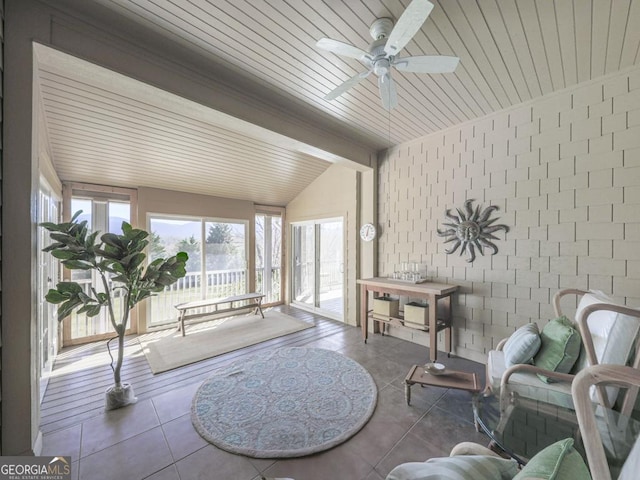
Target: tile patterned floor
(154, 439)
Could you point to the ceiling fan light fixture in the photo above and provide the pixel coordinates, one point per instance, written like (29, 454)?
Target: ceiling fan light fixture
(381, 67)
(389, 39)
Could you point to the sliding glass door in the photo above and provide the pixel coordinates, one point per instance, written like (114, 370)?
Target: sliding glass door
(317, 266)
(217, 265)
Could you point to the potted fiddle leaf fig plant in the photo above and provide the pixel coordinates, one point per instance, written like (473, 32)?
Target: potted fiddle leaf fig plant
(119, 264)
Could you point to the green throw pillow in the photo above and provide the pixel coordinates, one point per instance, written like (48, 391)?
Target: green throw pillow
(560, 347)
(559, 461)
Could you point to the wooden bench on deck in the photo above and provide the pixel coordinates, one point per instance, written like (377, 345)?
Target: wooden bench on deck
(216, 302)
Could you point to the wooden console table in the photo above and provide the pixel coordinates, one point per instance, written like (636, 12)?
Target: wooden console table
(436, 295)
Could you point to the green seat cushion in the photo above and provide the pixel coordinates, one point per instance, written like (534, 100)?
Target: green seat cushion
(460, 467)
(560, 347)
(559, 461)
(522, 345)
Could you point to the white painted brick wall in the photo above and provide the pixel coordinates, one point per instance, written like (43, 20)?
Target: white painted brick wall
(602, 213)
(592, 162)
(626, 139)
(618, 122)
(565, 172)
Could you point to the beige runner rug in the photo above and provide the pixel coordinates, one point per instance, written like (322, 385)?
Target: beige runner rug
(168, 349)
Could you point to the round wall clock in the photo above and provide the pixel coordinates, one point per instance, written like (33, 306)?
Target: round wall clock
(368, 232)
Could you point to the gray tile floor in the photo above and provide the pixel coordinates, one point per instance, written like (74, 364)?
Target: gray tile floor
(154, 439)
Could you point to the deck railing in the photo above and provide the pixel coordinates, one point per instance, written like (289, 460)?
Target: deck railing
(83, 326)
(331, 278)
(271, 295)
(218, 284)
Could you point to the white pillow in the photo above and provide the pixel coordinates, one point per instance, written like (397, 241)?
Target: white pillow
(463, 467)
(613, 337)
(631, 465)
(522, 345)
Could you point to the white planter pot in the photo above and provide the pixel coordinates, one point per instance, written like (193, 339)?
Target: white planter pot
(119, 396)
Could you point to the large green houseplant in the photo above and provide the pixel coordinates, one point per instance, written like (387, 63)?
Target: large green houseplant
(119, 262)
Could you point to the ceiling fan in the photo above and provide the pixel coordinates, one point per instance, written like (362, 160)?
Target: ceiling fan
(383, 53)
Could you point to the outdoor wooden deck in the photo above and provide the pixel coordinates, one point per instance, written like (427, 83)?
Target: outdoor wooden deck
(81, 374)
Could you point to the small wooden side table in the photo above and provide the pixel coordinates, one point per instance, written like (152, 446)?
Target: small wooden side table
(449, 379)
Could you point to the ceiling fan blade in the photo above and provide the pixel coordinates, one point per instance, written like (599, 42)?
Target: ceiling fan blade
(408, 24)
(388, 92)
(352, 82)
(427, 64)
(341, 48)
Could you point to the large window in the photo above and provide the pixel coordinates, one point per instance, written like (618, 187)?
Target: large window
(217, 265)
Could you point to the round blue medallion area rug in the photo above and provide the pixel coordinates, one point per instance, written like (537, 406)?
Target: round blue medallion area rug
(289, 402)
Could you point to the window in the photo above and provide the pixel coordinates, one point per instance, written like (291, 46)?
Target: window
(217, 265)
(269, 256)
(103, 215)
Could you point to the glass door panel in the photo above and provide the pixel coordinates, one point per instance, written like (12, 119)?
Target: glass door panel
(168, 236)
(331, 287)
(317, 267)
(104, 216)
(47, 278)
(118, 212)
(269, 257)
(276, 260)
(226, 261)
(304, 264)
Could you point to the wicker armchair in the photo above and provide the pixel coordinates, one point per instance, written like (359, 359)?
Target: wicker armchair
(611, 442)
(610, 334)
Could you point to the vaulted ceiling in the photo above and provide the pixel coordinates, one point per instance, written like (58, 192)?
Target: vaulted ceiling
(510, 51)
(109, 129)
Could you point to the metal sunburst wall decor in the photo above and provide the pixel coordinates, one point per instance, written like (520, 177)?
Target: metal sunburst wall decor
(471, 229)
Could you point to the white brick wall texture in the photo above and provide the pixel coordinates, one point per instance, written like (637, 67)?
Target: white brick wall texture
(565, 172)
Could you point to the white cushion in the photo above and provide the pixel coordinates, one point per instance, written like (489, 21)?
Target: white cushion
(631, 465)
(613, 337)
(522, 345)
(527, 385)
(464, 467)
(496, 366)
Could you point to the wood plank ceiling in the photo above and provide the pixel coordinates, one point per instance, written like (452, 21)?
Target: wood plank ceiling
(510, 51)
(109, 129)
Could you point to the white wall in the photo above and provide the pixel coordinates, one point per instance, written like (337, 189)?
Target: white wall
(19, 193)
(565, 172)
